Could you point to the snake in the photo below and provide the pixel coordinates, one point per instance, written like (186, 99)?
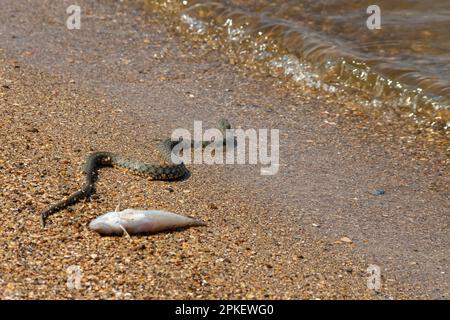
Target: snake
(170, 171)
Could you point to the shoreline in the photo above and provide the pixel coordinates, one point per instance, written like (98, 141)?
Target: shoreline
(260, 43)
(89, 92)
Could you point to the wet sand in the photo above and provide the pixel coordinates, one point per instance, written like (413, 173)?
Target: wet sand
(124, 82)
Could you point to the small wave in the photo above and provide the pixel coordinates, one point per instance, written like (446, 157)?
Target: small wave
(325, 61)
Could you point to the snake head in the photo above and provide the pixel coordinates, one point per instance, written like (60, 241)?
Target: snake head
(224, 124)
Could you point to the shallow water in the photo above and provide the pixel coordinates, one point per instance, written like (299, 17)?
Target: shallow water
(403, 66)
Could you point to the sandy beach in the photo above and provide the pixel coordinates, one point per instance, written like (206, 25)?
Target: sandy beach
(123, 83)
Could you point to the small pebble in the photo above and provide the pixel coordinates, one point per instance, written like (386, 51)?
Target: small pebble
(212, 206)
(346, 240)
(378, 192)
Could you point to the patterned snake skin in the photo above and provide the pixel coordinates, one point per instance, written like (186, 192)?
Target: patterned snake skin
(97, 160)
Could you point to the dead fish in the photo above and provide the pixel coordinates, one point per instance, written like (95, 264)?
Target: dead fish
(134, 221)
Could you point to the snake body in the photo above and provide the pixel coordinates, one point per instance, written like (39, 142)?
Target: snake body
(96, 160)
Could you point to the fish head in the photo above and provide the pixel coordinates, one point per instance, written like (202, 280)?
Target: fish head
(107, 224)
